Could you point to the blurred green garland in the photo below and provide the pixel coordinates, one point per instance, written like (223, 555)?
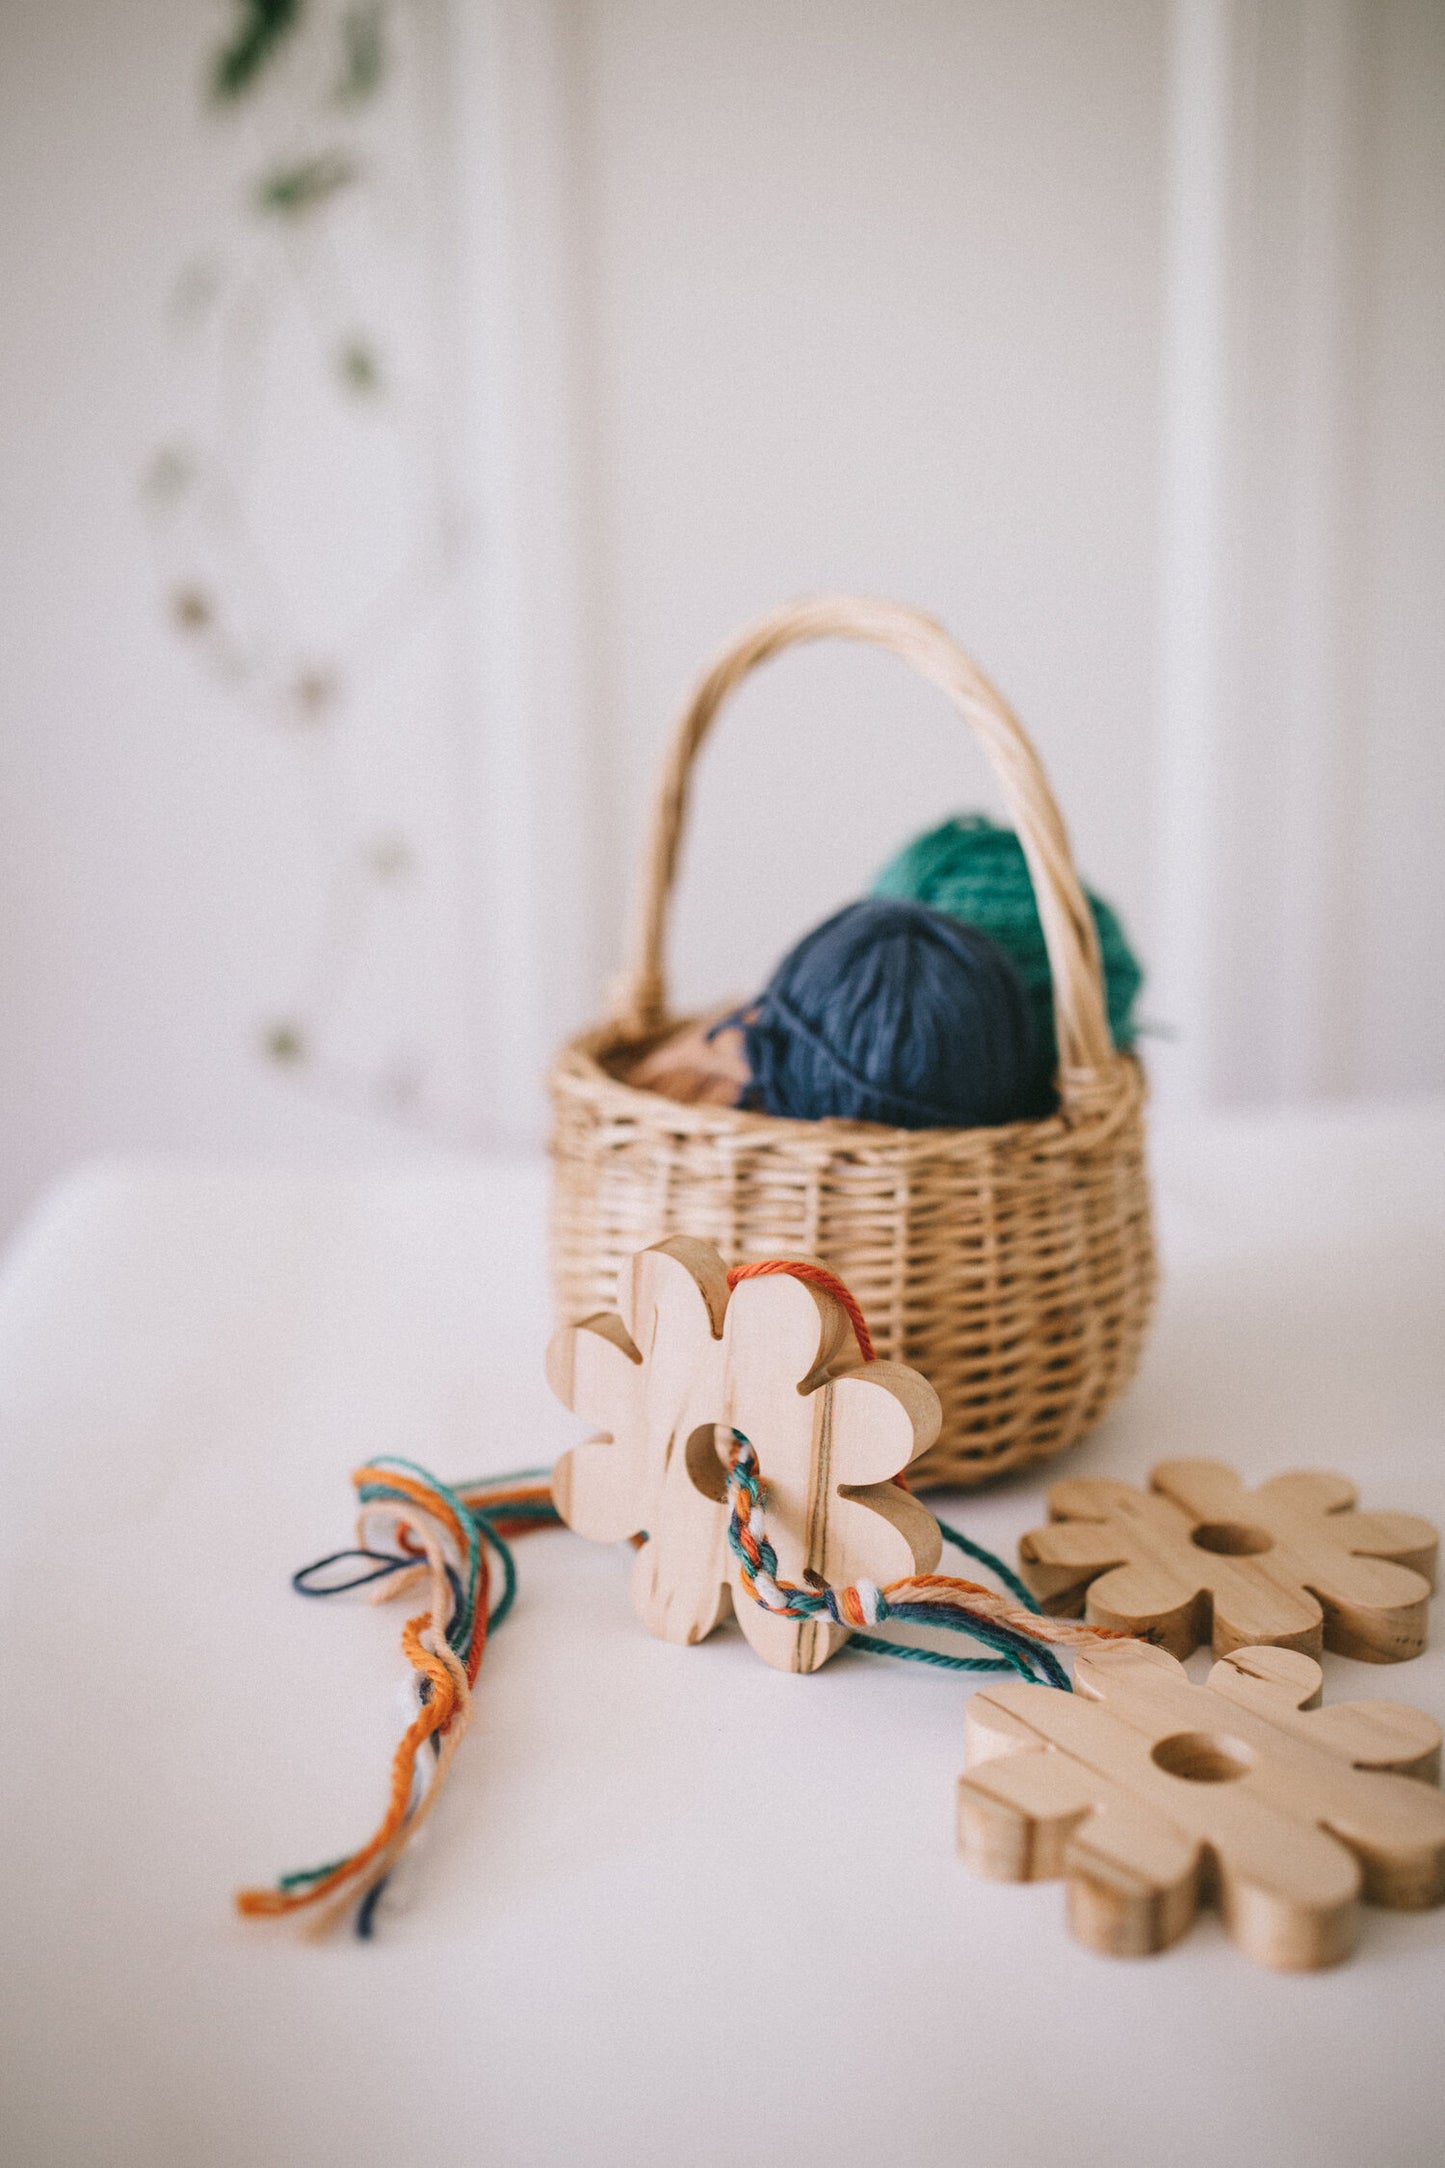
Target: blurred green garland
(318, 67)
(301, 185)
(264, 27)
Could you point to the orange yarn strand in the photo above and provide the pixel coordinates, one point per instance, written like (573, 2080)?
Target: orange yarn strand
(436, 1715)
(798, 1268)
(425, 1514)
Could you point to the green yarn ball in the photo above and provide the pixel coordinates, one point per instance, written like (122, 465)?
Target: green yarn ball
(976, 871)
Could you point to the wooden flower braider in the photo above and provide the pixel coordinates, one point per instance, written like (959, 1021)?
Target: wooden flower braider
(778, 1359)
(716, 1389)
(648, 1379)
(1198, 1557)
(1151, 1795)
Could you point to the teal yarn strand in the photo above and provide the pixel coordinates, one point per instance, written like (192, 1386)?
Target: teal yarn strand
(1014, 1661)
(874, 1645)
(996, 1566)
(974, 870)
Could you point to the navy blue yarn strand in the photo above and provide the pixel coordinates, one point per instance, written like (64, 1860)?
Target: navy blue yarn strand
(387, 1562)
(366, 1910)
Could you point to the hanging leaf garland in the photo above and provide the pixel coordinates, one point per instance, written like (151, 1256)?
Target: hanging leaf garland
(264, 28)
(336, 146)
(304, 184)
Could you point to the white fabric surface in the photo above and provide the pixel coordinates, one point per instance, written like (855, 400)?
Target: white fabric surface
(675, 1908)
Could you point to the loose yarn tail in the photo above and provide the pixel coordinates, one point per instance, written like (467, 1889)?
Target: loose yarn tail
(440, 1536)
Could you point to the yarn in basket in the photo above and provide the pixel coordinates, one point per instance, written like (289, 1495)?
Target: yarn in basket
(976, 872)
(892, 1012)
(700, 1064)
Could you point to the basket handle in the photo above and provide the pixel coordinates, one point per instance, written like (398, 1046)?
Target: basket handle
(1085, 1047)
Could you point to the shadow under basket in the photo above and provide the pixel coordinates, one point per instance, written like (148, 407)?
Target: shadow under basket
(1013, 1266)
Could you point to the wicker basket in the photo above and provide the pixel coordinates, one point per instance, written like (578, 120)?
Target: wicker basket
(1013, 1266)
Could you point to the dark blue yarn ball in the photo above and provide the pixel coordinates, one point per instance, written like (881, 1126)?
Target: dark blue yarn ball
(892, 1012)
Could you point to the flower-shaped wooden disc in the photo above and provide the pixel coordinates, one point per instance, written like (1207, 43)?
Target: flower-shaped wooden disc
(669, 1379)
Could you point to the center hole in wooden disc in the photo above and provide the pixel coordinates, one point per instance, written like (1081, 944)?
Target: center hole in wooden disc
(1232, 1539)
(1203, 1757)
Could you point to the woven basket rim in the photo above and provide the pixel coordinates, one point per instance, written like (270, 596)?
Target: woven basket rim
(1086, 1116)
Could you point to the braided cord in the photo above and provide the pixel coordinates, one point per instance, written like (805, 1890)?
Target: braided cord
(1019, 1634)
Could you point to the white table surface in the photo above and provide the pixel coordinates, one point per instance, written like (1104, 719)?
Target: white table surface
(675, 1909)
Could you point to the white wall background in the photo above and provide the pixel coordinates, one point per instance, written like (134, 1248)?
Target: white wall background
(1112, 334)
